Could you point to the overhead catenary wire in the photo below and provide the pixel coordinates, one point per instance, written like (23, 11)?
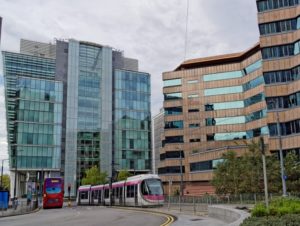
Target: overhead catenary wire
(186, 29)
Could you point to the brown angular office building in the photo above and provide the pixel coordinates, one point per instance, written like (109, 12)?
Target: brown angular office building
(216, 104)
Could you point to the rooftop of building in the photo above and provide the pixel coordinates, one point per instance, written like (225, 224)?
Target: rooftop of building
(219, 59)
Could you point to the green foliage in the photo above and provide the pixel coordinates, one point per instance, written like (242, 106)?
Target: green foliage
(259, 211)
(6, 182)
(286, 220)
(94, 177)
(227, 177)
(228, 180)
(278, 207)
(123, 175)
(292, 170)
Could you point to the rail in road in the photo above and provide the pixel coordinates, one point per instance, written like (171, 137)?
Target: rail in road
(170, 218)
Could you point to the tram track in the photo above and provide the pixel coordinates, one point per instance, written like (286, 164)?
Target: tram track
(170, 218)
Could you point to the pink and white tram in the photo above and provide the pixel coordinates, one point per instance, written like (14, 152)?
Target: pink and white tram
(141, 190)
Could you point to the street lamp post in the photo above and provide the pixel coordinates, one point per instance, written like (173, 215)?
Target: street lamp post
(262, 149)
(280, 150)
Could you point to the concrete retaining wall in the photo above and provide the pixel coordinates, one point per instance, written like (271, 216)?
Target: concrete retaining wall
(228, 214)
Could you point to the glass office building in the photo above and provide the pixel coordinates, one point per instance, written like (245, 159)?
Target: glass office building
(132, 121)
(34, 117)
(72, 106)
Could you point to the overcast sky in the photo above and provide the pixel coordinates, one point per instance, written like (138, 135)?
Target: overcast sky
(151, 31)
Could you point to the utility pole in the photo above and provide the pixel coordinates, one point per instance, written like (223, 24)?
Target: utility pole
(281, 155)
(262, 149)
(181, 176)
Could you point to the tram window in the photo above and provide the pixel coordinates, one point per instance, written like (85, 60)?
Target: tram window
(106, 193)
(118, 192)
(84, 195)
(130, 191)
(95, 194)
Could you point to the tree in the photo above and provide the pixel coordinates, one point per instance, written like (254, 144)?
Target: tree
(227, 177)
(292, 172)
(5, 182)
(93, 176)
(123, 175)
(244, 174)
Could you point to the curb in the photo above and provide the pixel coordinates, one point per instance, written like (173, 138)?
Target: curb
(13, 215)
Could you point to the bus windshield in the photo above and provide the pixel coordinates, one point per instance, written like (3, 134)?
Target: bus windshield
(53, 190)
(152, 187)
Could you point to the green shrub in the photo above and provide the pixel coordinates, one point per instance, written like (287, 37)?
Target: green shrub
(259, 211)
(278, 207)
(286, 220)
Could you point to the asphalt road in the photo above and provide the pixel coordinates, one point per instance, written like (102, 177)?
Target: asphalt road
(85, 216)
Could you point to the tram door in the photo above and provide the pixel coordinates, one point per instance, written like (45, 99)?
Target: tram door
(135, 195)
(121, 195)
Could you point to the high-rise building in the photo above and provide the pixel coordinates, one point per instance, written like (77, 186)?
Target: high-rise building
(101, 103)
(34, 118)
(219, 103)
(279, 25)
(211, 105)
(158, 125)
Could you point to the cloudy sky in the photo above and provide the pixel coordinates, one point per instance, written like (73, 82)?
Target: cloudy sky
(152, 31)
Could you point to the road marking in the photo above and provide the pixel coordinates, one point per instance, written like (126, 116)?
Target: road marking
(170, 218)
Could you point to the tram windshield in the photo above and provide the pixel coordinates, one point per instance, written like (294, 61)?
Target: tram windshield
(152, 187)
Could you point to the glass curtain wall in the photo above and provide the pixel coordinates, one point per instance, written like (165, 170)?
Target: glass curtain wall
(132, 121)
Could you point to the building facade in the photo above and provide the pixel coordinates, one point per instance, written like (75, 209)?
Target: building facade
(157, 132)
(74, 105)
(220, 103)
(34, 118)
(132, 121)
(279, 39)
(212, 105)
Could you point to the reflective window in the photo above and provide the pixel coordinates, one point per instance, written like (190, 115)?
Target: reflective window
(281, 51)
(174, 125)
(279, 26)
(230, 136)
(289, 101)
(257, 132)
(205, 165)
(282, 76)
(192, 81)
(286, 128)
(228, 105)
(172, 155)
(172, 82)
(264, 5)
(253, 83)
(173, 111)
(151, 187)
(256, 115)
(222, 76)
(171, 169)
(194, 125)
(225, 120)
(172, 96)
(223, 90)
(253, 67)
(193, 96)
(173, 139)
(254, 99)
(193, 110)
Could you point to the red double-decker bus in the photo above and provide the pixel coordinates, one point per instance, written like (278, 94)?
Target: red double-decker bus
(53, 193)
